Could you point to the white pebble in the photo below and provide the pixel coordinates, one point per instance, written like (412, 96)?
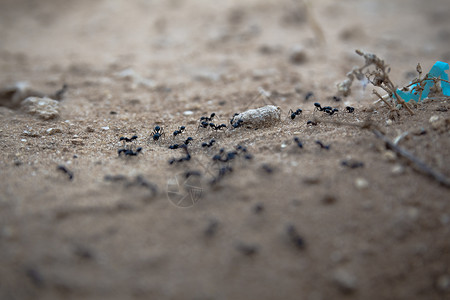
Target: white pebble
(361, 183)
(105, 128)
(188, 113)
(398, 169)
(345, 280)
(259, 117)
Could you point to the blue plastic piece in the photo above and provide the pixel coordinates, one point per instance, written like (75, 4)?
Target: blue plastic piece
(437, 71)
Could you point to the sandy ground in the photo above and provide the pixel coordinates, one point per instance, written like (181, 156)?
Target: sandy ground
(289, 223)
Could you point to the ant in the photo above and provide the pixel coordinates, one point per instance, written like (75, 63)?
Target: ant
(309, 95)
(179, 131)
(295, 113)
(218, 127)
(130, 152)
(314, 123)
(185, 158)
(352, 164)
(211, 142)
(320, 108)
(326, 109)
(186, 142)
(157, 133)
(326, 147)
(238, 123)
(229, 156)
(65, 170)
(299, 143)
(295, 237)
(243, 149)
(128, 140)
(208, 119)
(232, 118)
(331, 111)
(350, 109)
(222, 172)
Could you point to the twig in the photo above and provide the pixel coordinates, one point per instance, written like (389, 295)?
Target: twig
(318, 32)
(420, 165)
(382, 99)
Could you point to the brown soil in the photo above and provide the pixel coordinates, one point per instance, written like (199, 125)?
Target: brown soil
(381, 231)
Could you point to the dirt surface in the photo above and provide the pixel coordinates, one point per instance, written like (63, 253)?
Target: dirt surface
(289, 223)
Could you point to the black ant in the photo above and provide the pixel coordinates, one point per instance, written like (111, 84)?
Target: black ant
(222, 172)
(299, 143)
(350, 109)
(295, 237)
(211, 142)
(331, 111)
(218, 127)
(243, 149)
(65, 170)
(232, 118)
(238, 123)
(195, 173)
(185, 158)
(179, 131)
(186, 142)
(130, 152)
(352, 164)
(326, 109)
(208, 119)
(157, 133)
(326, 147)
(266, 168)
(295, 113)
(128, 140)
(318, 106)
(314, 123)
(309, 95)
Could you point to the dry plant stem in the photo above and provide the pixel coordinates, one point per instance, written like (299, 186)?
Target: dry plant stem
(403, 103)
(420, 165)
(382, 99)
(313, 23)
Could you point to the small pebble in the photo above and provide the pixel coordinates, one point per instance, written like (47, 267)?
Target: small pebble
(361, 183)
(329, 199)
(389, 155)
(345, 280)
(398, 169)
(188, 113)
(105, 128)
(298, 54)
(443, 283)
(52, 131)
